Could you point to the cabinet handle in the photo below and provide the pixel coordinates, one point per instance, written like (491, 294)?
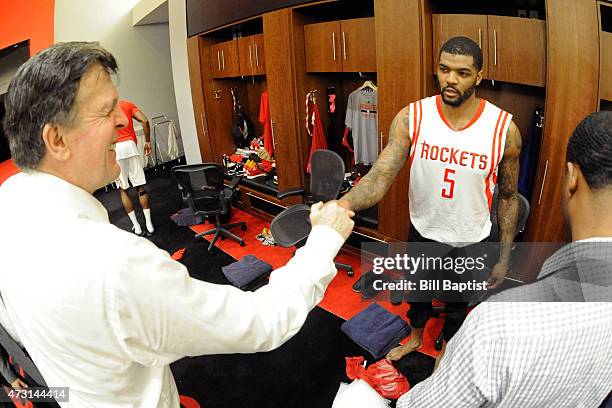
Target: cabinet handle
(272, 131)
(343, 45)
(543, 182)
(251, 56)
(334, 44)
(202, 123)
(480, 38)
(256, 55)
(219, 59)
(495, 47)
(223, 60)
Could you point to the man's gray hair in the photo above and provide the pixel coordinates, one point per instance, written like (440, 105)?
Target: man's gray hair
(44, 91)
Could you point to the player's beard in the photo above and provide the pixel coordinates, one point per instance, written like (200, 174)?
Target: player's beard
(462, 97)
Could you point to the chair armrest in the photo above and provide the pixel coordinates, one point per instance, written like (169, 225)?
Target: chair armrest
(232, 185)
(290, 192)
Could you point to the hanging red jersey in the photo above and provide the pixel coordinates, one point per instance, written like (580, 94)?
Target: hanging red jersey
(264, 119)
(127, 133)
(314, 127)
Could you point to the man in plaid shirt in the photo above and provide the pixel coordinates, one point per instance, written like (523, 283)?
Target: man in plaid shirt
(521, 350)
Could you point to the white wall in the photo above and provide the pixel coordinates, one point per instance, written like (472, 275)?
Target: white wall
(142, 52)
(178, 47)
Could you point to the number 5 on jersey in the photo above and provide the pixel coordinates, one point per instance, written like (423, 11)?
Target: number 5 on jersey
(449, 190)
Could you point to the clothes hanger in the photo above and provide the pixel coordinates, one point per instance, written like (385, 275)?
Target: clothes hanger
(369, 84)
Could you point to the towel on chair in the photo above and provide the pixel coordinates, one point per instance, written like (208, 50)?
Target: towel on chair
(376, 330)
(245, 271)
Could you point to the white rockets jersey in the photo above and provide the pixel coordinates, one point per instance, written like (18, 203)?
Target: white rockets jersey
(453, 173)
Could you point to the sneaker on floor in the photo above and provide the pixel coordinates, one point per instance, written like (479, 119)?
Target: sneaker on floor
(368, 290)
(368, 276)
(396, 296)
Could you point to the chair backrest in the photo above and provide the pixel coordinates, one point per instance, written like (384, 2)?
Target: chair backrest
(201, 186)
(326, 175)
(20, 357)
(524, 209)
(291, 226)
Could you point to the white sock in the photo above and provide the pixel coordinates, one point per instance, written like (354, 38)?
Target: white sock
(137, 228)
(147, 214)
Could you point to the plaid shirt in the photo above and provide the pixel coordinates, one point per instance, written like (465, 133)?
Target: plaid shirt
(531, 354)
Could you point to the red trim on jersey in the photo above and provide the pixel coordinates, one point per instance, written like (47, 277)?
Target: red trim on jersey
(414, 126)
(479, 111)
(488, 192)
(418, 130)
(501, 136)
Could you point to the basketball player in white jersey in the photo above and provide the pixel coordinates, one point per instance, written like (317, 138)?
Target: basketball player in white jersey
(458, 147)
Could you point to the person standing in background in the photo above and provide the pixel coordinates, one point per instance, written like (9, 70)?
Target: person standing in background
(131, 167)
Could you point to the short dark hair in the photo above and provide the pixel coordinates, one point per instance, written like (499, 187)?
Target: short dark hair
(463, 46)
(43, 91)
(590, 147)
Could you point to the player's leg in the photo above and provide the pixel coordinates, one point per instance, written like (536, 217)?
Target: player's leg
(124, 184)
(418, 314)
(138, 179)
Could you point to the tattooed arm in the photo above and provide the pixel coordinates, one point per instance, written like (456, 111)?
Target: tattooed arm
(373, 186)
(508, 203)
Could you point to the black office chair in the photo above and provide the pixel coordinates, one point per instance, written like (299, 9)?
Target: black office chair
(20, 358)
(493, 247)
(202, 188)
(292, 226)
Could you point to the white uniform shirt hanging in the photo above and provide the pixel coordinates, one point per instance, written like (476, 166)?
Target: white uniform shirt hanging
(362, 119)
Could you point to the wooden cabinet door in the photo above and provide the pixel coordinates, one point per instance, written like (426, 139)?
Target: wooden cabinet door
(517, 50)
(278, 26)
(198, 58)
(605, 79)
(358, 45)
(251, 55)
(224, 59)
(219, 110)
(396, 62)
(322, 42)
(245, 56)
(259, 61)
(215, 60)
(447, 26)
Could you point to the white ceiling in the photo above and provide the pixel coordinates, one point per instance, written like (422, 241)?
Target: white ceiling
(150, 12)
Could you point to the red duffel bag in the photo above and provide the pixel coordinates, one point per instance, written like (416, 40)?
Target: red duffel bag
(382, 376)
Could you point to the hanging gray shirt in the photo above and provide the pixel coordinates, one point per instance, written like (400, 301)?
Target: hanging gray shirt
(362, 119)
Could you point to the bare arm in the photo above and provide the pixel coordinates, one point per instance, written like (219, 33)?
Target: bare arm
(375, 184)
(508, 202)
(139, 116)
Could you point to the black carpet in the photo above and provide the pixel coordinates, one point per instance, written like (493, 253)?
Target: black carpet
(305, 372)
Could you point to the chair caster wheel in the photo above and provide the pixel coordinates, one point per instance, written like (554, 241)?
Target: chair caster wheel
(243, 227)
(242, 243)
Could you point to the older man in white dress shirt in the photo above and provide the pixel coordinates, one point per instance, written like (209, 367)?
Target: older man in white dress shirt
(106, 312)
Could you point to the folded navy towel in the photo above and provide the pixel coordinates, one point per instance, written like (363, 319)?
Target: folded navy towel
(245, 271)
(185, 217)
(376, 330)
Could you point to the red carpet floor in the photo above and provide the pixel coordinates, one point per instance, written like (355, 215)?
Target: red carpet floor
(339, 298)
